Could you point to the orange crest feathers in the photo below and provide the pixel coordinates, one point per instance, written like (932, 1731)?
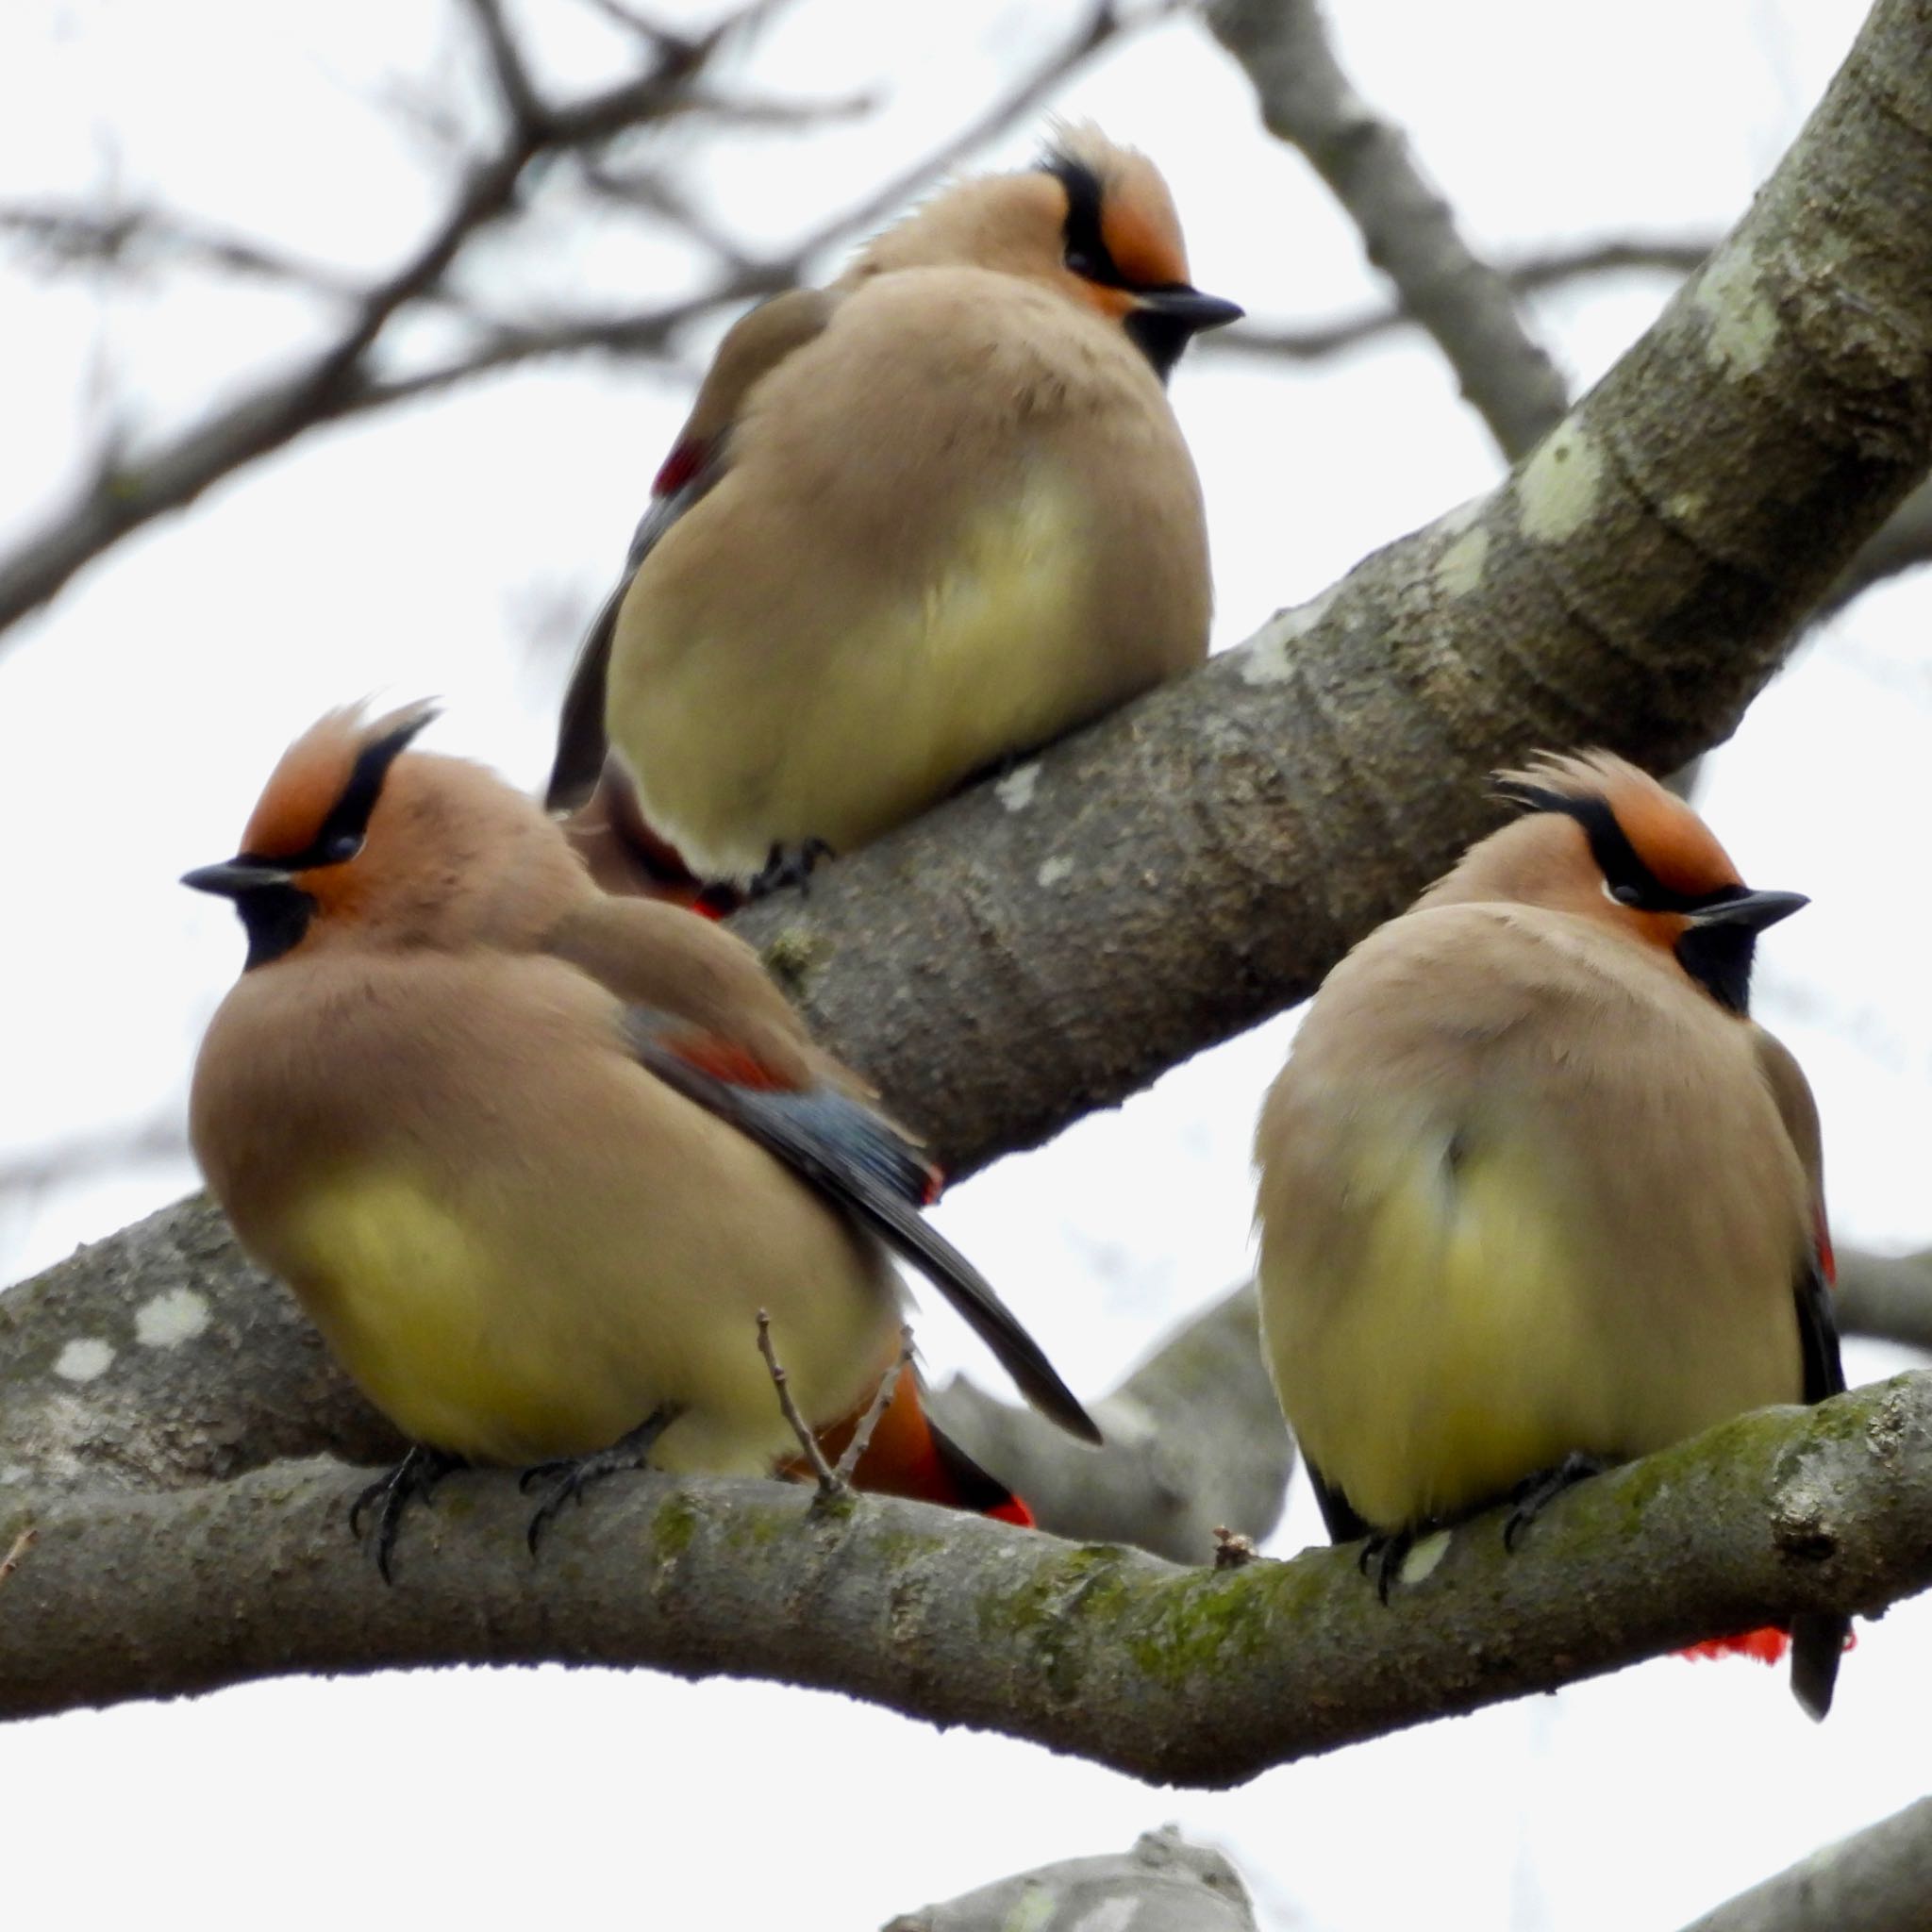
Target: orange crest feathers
(316, 772)
(1679, 849)
(1137, 213)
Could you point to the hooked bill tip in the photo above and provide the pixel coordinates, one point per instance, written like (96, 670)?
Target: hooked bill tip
(231, 877)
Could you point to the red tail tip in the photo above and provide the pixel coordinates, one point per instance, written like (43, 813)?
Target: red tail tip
(1767, 1645)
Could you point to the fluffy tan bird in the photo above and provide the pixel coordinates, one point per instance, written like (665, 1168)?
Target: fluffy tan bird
(1536, 1193)
(933, 516)
(533, 1158)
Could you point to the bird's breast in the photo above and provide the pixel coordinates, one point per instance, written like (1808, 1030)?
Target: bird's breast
(406, 1294)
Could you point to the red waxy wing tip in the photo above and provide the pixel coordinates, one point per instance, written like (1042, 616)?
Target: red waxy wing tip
(725, 1060)
(680, 467)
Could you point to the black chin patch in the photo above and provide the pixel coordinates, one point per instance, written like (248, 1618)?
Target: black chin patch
(274, 918)
(1160, 338)
(1719, 957)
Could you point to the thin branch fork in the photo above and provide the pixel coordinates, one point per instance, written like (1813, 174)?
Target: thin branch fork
(829, 1483)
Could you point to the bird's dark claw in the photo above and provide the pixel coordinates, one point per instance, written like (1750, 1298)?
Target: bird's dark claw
(569, 1478)
(1535, 1493)
(1386, 1555)
(788, 865)
(409, 1481)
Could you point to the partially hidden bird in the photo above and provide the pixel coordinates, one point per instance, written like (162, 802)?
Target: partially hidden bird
(533, 1158)
(1536, 1193)
(918, 523)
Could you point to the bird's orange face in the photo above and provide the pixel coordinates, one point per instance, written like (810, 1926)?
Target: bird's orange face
(300, 851)
(1641, 861)
(1122, 253)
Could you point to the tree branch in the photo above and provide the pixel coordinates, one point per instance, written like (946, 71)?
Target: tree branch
(341, 382)
(1164, 1883)
(1877, 1880)
(1528, 275)
(1406, 226)
(1191, 1677)
(1885, 1296)
(1194, 1441)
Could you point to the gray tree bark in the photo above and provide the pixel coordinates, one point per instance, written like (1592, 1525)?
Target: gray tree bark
(1878, 1880)
(1164, 1884)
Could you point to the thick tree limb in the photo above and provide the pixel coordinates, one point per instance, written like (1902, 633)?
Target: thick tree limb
(1406, 226)
(1191, 1677)
(1164, 1884)
(1877, 1880)
(1903, 545)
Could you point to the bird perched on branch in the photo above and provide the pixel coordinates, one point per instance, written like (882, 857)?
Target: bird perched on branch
(919, 521)
(534, 1159)
(1536, 1193)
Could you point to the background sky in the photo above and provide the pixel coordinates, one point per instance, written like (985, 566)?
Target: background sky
(422, 551)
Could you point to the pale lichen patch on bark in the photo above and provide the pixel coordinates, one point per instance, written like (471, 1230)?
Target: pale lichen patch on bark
(1556, 492)
(1743, 322)
(1265, 658)
(1459, 568)
(1054, 870)
(1421, 1562)
(1015, 790)
(84, 1359)
(167, 1320)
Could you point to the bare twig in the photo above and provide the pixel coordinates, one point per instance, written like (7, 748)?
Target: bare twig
(164, 1138)
(131, 238)
(1529, 274)
(881, 1401)
(340, 382)
(22, 1544)
(830, 1482)
(514, 86)
(1406, 226)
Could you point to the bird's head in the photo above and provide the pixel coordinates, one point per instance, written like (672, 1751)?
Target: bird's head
(1093, 221)
(355, 839)
(1605, 841)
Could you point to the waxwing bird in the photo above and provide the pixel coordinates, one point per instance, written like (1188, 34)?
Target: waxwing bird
(1536, 1195)
(918, 523)
(533, 1158)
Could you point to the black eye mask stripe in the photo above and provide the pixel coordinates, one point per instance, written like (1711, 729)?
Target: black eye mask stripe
(1719, 957)
(348, 817)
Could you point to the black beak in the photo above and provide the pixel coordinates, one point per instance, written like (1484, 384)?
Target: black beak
(233, 877)
(1754, 912)
(1187, 311)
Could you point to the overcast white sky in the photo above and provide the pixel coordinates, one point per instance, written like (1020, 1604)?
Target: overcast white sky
(139, 716)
